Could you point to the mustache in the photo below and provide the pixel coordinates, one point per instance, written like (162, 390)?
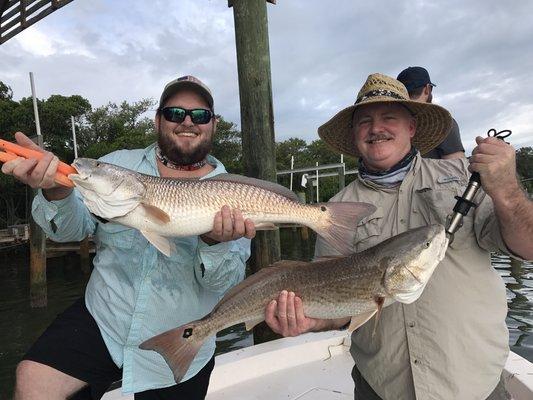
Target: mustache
(377, 136)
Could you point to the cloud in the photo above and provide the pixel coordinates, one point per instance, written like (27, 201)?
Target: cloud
(478, 52)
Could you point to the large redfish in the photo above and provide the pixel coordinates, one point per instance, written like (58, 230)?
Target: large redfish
(356, 286)
(165, 207)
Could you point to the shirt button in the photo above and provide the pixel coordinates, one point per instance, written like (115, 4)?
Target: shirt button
(401, 190)
(411, 324)
(414, 211)
(402, 221)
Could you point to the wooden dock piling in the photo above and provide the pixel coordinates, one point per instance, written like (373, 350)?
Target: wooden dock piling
(257, 119)
(37, 241)
(38, 292)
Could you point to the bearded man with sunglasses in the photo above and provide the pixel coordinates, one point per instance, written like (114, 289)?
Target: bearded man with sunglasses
(135, 292)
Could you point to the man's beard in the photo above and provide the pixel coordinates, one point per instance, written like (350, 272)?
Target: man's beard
(180, 156)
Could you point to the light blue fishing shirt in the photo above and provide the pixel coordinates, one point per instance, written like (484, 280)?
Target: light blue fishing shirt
(136, 292)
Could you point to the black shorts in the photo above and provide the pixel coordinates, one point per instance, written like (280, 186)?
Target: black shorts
(73, 345)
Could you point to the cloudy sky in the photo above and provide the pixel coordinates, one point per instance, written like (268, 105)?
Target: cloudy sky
(478, 52)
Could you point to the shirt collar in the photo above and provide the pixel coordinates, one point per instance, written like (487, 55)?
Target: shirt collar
(413, 170)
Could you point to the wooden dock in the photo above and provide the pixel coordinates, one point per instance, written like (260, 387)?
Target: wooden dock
(19, 234)
(14, 234)
(56, 249)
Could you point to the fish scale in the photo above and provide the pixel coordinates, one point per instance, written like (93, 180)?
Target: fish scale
(214, 195)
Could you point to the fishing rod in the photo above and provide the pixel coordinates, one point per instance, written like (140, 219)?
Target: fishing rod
(465, 202)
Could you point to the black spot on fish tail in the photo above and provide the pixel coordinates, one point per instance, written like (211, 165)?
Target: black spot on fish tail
(178, 347)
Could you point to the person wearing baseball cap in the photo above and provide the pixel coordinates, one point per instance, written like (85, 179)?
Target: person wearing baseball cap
(420, 88)
(135, 292)
(452, 341)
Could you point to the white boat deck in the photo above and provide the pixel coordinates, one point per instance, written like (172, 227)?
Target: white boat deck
(314, 366)
(311, 367)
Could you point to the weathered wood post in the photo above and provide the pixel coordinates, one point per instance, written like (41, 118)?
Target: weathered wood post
(38, 292)
(257, 120)
(37, 241)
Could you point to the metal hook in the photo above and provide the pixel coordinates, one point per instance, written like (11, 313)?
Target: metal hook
(500, 135)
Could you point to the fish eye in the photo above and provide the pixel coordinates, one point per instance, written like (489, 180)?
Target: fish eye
(427, 244)
(97, 163)
(323, 208)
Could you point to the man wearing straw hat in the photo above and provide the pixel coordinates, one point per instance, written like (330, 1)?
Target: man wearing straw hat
(452, 343)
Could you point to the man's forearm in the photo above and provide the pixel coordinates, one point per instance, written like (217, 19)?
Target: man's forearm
(515, 216)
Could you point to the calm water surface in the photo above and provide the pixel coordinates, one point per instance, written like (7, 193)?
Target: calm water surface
(20, 325)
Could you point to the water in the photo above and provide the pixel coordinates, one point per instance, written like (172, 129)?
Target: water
(518, 278)
(20, 325)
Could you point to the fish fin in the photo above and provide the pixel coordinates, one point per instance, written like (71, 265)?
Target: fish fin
(161, 243)
(250, 324)
(263, 273)
(265, 226)
(379, 302)
(177, 346)
(267, 185)
(289, 263)
(342, 219)
(359, 320)
(156, 212)
(326, 258)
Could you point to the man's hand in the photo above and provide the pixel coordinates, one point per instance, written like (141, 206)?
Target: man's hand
(37, 174)
(285, 316)
(229, 225)
(495, 161)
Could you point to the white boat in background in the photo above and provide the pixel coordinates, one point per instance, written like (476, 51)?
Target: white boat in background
(314, 366)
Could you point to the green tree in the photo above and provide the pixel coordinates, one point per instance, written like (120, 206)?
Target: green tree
(227, 146)
(113, 127)
(55, 116)
(292, 147)
(524, 166)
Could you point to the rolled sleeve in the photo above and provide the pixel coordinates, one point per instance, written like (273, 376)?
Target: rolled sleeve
(63, 220)
(221, 266)
(487, 228)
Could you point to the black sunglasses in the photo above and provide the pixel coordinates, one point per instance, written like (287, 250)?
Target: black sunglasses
(198, 116)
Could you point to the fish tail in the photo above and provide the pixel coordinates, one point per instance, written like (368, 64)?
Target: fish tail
(340, 223)
(177, 346)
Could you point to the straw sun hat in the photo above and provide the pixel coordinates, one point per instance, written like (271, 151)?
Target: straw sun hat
(433, 123)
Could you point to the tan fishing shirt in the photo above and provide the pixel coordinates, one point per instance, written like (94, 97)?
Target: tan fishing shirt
(452, 342)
